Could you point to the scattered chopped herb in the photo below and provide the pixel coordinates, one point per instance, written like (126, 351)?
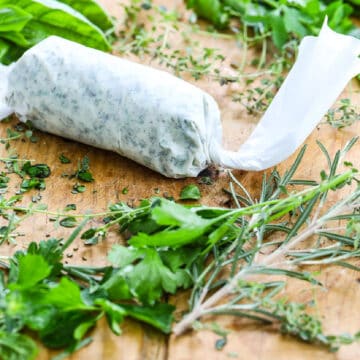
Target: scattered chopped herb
(70, 207)
(40, 171)
(34, 183)
(37, 174)
(78, 188)
(4, 181)
(64, 160)
(68, 222)
(125, 191)
(83, 172)
(190, 192)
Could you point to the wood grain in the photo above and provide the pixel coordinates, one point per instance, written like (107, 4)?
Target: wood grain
(247, 341)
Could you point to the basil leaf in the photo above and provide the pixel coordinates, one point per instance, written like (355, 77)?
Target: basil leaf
(17, 38)
(12, 18)
(17, 347)
(54, 18)
(93, 11)
(4, 49)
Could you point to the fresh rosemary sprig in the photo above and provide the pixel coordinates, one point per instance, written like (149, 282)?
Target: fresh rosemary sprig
(227, 285)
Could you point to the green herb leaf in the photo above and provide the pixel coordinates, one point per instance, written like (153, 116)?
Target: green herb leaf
(32, 269)
(50, 17)
(68, 222)
(16, 347)
(64, 160)
(93, 11)
(13, 18)
(66, 296)
(83, 173)
(190, 192)
(159, 315)
(70, 207)
(40, 171)
(78, 188)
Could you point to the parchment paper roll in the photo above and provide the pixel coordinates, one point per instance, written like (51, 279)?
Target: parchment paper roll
(161, 121)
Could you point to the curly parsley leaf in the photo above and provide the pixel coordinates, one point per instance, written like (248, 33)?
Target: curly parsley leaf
(145, 273)
(159, 316)
(183, 226)
(32, 269)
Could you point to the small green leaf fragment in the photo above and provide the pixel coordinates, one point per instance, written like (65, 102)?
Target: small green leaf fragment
(68, 222)
(190, 192)
(70, 207)
(32, 269)
(64, 160)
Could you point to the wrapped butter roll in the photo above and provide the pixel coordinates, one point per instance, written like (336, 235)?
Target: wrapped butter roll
(161, 121)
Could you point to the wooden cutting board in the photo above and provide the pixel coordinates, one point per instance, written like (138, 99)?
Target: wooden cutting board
(247, 341)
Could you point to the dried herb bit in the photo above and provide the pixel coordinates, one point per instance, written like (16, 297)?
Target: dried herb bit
(64, 160)
(78, 188)
(40, 171)
(125, 190)
(83, 172)
(190, 192)
(68, 222)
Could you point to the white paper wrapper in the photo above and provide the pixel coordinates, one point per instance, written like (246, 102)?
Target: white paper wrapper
(161, 121)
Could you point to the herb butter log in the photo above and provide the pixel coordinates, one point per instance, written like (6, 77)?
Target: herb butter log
(161, 121)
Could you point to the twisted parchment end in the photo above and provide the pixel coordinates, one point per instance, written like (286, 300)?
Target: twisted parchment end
(5, 110)
(324, 66)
